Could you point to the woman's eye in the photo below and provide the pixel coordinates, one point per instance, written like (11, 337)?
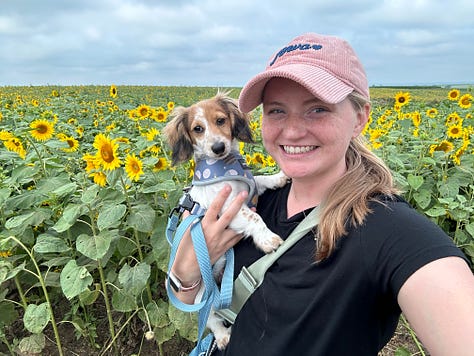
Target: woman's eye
(319, 109)
(220, 121)
(275, 111)
(198, 129)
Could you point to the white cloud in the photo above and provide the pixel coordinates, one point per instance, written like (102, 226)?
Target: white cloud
(209, 42)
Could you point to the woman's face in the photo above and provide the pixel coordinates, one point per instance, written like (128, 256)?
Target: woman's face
(307, 137)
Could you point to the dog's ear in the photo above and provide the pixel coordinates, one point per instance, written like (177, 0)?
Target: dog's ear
(177, 135)
(240, 121)
(241, 128)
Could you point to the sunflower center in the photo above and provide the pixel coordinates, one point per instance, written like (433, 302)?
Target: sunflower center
(107, 153)
(42, 129)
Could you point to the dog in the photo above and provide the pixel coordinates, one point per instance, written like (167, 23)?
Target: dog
(210, 131)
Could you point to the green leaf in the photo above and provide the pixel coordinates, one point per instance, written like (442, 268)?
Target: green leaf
(65, 189)
(402, 351)
(48, 244)
(158, 313)
(69, 217)
(415, 181)
(134, 279)
(436, 211)
(90, 194)
(7, 271)
(123, 302)
(36, 317)
(449, 189)
(8, 314)
(4, 194)
(94, 247)
(186, 323)
(142, 218)
(422, 198)
(19, 220)
(470, 229)
(111, 216)
(74, 279)
(88, 297)
(32, 344)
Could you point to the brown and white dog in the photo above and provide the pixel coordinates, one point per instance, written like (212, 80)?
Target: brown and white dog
(211, 130)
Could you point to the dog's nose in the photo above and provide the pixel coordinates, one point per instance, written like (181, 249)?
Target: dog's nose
(218, 148)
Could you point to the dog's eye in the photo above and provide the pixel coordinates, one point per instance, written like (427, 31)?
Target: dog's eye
(220, 121)
(198, 129)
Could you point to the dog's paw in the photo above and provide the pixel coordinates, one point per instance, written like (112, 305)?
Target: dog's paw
(281, 179)
(222, 338)
(268, 244)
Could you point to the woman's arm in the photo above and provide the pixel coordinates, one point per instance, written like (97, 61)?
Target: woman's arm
(218, 239)
(438, 302)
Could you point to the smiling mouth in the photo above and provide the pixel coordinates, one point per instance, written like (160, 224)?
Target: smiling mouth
(298, 149)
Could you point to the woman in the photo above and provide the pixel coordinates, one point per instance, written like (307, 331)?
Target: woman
(339, 290)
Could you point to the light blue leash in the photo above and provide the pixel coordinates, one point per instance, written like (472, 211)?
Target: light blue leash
(212, 296)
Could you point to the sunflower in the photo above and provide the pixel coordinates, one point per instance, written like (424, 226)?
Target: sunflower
(444, 146)
(402, 98)
(160, 165)
(99, 178)
(170, 106)
(259, 159)
(42, 130)
(270, 161)
(151, 133)
(144, 111)
(453, 94)
(455, 131)
(80, 131)
(453, 119)
(14, 144)
(113, 91)
(106, 152)
(5, 135)
(416, 118)
(465, 101)
(432, 112)
(133, 167)
(72, 143)
(160, 115)
(91, 162)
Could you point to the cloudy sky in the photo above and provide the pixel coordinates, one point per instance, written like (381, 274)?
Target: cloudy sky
(225, 42)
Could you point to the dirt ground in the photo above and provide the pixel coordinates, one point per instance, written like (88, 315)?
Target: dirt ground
(134, 342)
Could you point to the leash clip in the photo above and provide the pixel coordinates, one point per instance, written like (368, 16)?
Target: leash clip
(184, 203)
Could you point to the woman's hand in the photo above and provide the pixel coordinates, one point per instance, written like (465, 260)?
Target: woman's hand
(219, 238)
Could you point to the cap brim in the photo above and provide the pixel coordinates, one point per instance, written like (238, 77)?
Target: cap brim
(317, 81)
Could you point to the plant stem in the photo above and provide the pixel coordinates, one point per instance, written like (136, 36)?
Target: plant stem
(107, 303)
(119, 332)
(137, 238)
(19, 288)
(43, 164)
(45, 291)
(5, 341)
(413, 336)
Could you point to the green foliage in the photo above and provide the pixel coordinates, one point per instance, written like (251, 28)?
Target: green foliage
(72, 229)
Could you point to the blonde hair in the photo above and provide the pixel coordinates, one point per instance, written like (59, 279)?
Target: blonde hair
(347, 201)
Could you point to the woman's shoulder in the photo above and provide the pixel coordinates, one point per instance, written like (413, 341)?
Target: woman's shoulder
(394, 210)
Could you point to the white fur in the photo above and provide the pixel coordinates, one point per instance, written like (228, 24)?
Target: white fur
(208, 118)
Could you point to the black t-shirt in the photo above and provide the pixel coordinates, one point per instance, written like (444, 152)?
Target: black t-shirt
(346, 305)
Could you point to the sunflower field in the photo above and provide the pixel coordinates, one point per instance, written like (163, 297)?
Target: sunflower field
(86, 187)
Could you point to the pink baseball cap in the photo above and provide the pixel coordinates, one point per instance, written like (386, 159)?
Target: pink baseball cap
(327, 66)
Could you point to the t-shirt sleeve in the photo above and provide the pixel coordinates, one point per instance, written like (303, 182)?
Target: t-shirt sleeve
(399, 241)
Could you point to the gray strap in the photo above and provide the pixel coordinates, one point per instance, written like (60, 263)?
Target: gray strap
(250, 278)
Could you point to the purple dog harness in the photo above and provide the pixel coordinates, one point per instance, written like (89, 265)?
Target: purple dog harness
(233, 167)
